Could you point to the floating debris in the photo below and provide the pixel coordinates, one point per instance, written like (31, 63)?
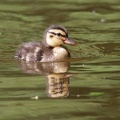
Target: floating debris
(93, 11)
(35, 97)
(102, 20)
(78, 95)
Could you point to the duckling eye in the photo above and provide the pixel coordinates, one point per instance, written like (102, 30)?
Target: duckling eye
(58, 34)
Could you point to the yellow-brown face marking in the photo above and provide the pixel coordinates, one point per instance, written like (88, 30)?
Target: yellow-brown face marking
(55, 37)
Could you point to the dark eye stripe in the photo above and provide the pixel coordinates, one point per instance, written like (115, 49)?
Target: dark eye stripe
(52, 33)
(58, 34)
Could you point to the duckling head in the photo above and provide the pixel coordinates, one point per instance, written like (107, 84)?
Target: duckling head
(57, 35)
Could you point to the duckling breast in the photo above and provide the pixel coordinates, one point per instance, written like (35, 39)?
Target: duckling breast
(60, 53)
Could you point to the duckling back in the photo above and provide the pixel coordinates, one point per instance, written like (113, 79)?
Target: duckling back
(31, 51)
(39, 51)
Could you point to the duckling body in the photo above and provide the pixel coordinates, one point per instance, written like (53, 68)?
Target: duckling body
(50, 49)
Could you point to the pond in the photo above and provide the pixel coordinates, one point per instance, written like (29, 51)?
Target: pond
(87, 87)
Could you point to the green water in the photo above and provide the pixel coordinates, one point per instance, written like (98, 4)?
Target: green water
(93, 88)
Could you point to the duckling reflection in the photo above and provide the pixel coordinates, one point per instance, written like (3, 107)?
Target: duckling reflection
(58, 85)
(56, 74)
(44, 68)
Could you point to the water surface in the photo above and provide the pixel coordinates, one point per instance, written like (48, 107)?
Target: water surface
(89, 89)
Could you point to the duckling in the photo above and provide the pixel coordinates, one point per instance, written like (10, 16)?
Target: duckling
(50, 49)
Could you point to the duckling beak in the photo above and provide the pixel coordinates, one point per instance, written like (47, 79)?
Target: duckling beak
(69, 41)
